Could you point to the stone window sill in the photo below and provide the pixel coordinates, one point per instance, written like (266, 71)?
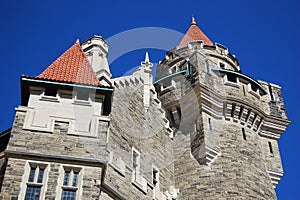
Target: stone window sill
(49, 98)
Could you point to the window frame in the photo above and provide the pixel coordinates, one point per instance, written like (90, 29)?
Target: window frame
(72, 169)
(229, 82)
(35, 183)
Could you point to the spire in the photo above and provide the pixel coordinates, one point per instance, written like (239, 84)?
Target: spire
(194, 33)
(72, 66)
(147, 58)
(146, 62)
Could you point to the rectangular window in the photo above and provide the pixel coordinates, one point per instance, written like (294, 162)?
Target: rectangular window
(68, 194)
(35, 181)
(70, 183)
(33, 193)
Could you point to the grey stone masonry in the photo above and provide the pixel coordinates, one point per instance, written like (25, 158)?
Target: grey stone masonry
(225, 144)
(202, 130)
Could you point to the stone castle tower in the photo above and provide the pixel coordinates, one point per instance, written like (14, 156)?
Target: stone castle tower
(201, 130)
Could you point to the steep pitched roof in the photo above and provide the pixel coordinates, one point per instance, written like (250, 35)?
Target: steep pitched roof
(194, 33)
(73, 67)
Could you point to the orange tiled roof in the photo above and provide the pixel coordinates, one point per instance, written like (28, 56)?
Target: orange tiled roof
(72, 66)
(194, 33)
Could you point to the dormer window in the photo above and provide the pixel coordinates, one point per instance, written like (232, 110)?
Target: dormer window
(82, 95)
(50, 94)
(50, 91)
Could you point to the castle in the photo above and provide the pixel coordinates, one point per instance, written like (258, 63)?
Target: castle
(201, 130)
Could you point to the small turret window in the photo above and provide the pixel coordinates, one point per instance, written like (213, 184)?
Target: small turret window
(222, 65)
(231, 78)
(209, 124)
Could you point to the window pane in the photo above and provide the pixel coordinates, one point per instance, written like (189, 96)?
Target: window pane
(75, 179)
(32, 193)
(31, 174)
(41, 175)
(67, 177)
(68, 195)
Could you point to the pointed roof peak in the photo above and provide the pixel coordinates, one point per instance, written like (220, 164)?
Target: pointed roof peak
(73, 67)
(194, 33)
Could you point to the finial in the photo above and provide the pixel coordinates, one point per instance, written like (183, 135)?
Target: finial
(77, 41)
(147, 60)
(193, 22)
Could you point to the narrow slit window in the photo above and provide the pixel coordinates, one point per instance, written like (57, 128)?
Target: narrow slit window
(244, 91)
(270, 148)
(135, 164)
(171, 118)
(155, 176)
(209, 123)
(244, 134)
(179, 113)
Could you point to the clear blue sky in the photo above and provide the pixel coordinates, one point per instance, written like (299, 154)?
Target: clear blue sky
(263, 34)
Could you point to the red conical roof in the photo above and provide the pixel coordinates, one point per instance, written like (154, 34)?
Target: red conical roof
(194, 33)
(72, 66)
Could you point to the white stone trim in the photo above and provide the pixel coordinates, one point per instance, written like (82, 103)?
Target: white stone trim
(49, 127)
(117, 163)
(137, 179)
(275, 177)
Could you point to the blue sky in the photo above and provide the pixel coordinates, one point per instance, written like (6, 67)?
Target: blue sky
(262, 34)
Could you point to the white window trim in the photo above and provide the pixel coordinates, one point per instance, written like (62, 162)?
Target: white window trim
(25, 178)
(230, 83)
(255, 93)
(137, 179)
(156, 187)
(136, 171)
(61, 177)
(169, 87)
(49, 98)
(81, 102)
